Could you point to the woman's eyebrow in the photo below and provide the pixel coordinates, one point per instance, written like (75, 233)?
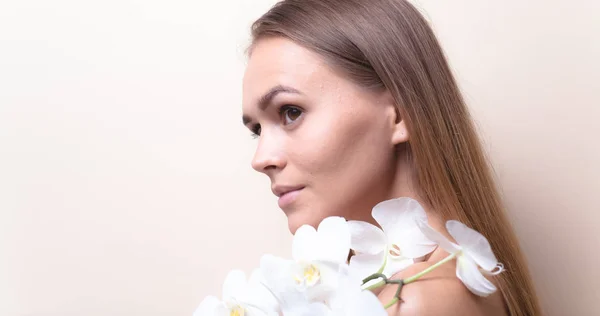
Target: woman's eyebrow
(265, 100)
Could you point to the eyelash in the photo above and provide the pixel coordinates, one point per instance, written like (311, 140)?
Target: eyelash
(256, 129)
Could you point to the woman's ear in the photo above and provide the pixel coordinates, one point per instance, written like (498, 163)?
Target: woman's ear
(398, 123)
(399, 130)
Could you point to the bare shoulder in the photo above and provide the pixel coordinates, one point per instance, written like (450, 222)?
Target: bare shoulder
(439, 293)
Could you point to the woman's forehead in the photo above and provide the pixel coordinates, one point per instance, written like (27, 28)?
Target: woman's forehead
(279, 61)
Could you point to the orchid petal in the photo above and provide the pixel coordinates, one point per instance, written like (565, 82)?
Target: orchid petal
(278, 279)
(234, 284)
(366, 303)
(256, 311)
(327, 284)
(497, 270)
(304, 244)
(412, 242)
(349, 283)
(222, 310)
(364, 265)
(259, 294)
(208, 307)
(366, 237)
(277, 274)
(333, 240)
(318, 309)
(395, 265)
(293, 302)
(468, 272)
(474, 244)
(351, 300)
(438, 238)
(314, 309)
(348, 280)
(398, 214)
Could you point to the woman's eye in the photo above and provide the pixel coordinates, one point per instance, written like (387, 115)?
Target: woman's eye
(290, 114)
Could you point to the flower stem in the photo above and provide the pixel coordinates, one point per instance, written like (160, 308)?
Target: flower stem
(433, 267)
(376, 285)
(392, 302)
(375, 276)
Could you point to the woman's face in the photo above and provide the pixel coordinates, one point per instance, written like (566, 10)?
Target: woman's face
(326, 144)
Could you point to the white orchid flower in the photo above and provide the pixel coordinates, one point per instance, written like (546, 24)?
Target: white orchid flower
(279, 279)
(312, 309)
(472, 251)
(348, 300)
(395, 245)
(317, 255)
(241, 297)
(352, 300)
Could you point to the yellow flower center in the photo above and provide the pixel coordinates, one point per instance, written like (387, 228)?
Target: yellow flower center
(237, 311)
(310, 275)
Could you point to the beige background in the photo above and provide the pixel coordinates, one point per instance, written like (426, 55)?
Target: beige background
(125, 179)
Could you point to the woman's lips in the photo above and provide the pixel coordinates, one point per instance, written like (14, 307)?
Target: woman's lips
(288, 198)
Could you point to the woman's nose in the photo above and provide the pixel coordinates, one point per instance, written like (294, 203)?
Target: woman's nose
(269, 155)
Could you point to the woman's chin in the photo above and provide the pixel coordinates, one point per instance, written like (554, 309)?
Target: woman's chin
(298, 218)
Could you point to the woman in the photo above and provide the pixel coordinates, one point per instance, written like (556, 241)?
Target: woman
(354, 103)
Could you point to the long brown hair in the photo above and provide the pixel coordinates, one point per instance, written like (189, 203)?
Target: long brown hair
(387, 44)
